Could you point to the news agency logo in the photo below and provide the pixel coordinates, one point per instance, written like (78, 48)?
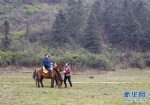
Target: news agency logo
(134, 96)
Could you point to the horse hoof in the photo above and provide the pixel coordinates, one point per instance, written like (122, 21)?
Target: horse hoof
(51, 87)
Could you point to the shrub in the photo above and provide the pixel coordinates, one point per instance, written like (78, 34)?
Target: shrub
(5, 58)
(137, 60)
(148, 62)
(97, 61)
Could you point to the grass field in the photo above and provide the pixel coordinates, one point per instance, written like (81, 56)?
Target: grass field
(18, 88)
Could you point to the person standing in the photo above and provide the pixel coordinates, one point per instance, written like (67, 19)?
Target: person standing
(47, 64)
(67, 75)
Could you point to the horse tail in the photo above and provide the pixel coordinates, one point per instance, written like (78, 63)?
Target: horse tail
(34, 75)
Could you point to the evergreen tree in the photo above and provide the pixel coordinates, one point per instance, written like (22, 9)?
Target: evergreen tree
(70, 3)
(97, 11)
(125, 4)
(60, 32)
(27, 31)
(127, 33)
(76, 19)
(144, 40)
(6, 32)
(105, 15)
(92, 39)
(142, 14)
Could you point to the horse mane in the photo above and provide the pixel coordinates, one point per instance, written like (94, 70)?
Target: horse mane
(59, 75)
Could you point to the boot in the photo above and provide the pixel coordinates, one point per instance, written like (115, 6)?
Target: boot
(51, 75)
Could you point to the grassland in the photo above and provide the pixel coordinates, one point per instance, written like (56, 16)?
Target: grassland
(106, 88)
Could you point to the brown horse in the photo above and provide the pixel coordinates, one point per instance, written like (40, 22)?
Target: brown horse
(38, 76)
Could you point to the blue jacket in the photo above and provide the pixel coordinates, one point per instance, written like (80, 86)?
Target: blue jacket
(46, 63)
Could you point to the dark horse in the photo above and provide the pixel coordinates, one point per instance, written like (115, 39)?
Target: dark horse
(38, 76)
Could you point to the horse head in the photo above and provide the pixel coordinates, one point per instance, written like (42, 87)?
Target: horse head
(59, 67)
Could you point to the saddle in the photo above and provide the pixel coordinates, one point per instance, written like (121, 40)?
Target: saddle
(45, 70)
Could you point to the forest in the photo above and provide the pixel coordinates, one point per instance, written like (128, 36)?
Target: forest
(100, 34)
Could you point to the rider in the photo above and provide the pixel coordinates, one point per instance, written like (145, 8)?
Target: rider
(47, 64)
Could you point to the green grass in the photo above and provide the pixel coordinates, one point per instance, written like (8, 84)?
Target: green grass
(18, 88)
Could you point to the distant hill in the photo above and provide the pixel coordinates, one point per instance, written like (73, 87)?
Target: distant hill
(84, 32)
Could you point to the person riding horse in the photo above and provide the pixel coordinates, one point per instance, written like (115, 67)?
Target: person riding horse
(47, 64)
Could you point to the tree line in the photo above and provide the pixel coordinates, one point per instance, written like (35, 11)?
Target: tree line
(119, 25)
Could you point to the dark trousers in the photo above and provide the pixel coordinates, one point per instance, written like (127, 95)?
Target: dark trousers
(49, 71)
(69, 80)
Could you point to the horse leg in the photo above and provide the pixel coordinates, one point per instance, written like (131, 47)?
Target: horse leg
(39, 79)
(42, 82)
(59, 83)
(56, 82)
(52, 83)
(38, 82)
